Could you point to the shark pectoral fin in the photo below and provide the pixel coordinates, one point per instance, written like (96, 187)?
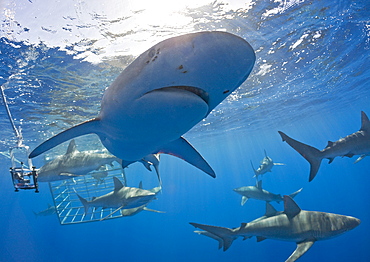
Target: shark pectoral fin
(244, 200)
(184, 150)
(300, 250)
(279, 164)
(152, 210)
(360, 158)
(311, 154)
(90, 126)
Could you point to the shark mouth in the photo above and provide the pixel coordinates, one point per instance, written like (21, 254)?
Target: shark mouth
(195, 90)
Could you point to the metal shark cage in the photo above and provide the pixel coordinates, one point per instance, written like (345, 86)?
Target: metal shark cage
(97, 183)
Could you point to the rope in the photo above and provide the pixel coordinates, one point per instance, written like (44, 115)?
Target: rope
(18, 132)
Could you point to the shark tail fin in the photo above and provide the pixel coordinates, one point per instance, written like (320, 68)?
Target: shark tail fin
(224, 233)
(311, 154)
(84, 202)
(295, 193)
(88, 127)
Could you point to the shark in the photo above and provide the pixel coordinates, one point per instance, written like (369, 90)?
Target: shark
(293, 224)
(266, 164)
(73, 164)
(122, 197)
(51, 210)
(136, 210)
(257, 192)
(163, 93)
(357, 143)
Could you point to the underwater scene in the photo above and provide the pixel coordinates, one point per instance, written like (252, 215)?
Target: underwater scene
(184, 130)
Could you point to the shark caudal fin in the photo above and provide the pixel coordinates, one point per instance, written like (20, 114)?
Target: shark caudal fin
(88, 127)
(311, 154)
(84, 202)
(224, 233)
(184, 150)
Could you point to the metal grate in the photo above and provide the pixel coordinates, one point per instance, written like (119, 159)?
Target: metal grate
(97, 183)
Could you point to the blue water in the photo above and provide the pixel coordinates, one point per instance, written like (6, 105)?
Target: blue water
(310, 81)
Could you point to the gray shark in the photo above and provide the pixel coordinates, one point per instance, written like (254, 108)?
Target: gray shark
(73, 164)
(51, 210)
(266, 164)
(357, 143)
(294, 225)
(257, 192)
(134, 211)
(121, 197)
(163, 93)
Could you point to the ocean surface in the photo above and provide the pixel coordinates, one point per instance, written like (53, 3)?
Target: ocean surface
(311, 81)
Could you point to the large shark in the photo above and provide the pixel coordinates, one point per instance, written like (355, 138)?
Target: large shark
(73, 164)
(294, 225)
(163, 93)
(266, 164)
(122, 197)
(257, 192)
(357, 143)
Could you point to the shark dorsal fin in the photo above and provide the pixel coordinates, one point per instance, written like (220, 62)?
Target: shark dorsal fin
(270, 210)
(291, 209)
(141, 185)
(365, 123)
(71, 147)
(117, 184)
(259, 184)
(265, 153)
(330, 144)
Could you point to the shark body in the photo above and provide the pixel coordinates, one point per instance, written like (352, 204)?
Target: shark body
(121, 197)
(257, 192)
(357, 143)
(51, 210)
(73, 164)
(293, 224)
(265, 166)
(163, 93)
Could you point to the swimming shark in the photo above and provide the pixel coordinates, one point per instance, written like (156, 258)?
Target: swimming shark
(163, 93)
(134, 211)
(122, 197)
(51, 210)
(293, 224)
(266, 164)
(73, 164)
(357, 143)
(257, 192)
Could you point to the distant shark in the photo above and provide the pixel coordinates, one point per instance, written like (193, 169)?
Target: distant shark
(357, 143)
(257, 192)
(51, 210)
(163, 93)
(121, 197)
(266, 164)
(294, 224)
